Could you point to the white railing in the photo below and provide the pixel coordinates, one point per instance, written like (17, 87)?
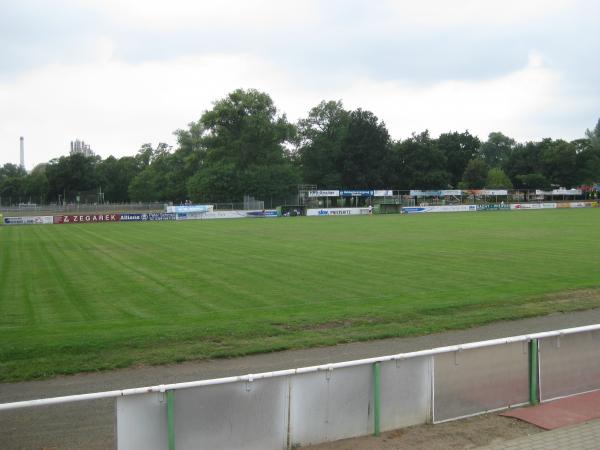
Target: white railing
(286, 408)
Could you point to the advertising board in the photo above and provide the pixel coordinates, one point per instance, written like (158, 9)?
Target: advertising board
(533, 206)
(582, 204)
(441, 193)
(331, 193)
(137, 217)
(438, 209)
(28, 220)
(227, 215)
(87, 218)
(487, 192)
(189, 208)
(493, 207)
(262, 213)
(561, 191)
(337, 211)
(356, 193)
(383, 193)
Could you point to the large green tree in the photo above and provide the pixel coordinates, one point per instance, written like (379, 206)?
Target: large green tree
(12, 184)
(559, 163)
(68, 176)
(242, 139)
(419, 164)
(366, 152)
(115, 176)
(157, 180)
(593, 136)
(497, 179)
(320, 144)
(459, 148)
(475, 174)
(497, 149)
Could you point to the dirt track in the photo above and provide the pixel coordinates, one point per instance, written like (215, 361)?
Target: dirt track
(90, 425)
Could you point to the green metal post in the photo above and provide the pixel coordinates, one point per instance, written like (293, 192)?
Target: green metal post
(171, 419)
(376, 398)
(533, 372)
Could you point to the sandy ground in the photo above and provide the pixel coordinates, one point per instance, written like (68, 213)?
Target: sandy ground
(90, 425)
(461, 434)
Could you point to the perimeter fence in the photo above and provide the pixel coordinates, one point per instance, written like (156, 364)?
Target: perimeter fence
(291, 408)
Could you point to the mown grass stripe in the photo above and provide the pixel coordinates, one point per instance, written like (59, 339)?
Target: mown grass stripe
(89, 297)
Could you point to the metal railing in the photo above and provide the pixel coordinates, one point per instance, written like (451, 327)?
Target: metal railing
(308, 405)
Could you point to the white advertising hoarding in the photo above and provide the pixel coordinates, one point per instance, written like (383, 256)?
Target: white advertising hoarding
(189, 208)
(441, 193)
(438, 209)
(331, 193)
(337, 211)
(28, 220)
(533, 206)
(561, 191)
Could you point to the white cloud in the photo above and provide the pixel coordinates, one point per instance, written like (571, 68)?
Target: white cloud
(116, 106)
(132, 72)
(177, 14)
(511, 103)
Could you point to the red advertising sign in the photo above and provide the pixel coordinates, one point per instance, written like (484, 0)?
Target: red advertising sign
(88, 218)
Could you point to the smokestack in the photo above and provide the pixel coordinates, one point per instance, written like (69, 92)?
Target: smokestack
(22, 141)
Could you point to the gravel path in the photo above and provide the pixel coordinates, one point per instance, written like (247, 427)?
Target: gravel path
(91, 424)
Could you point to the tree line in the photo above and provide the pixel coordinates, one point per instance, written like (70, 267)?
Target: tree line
(244, 145)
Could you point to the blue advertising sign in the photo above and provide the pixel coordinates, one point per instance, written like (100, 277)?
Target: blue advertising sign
(160, 216)
(413, 209)
(356, 193)
(265, 213)
(137, 217)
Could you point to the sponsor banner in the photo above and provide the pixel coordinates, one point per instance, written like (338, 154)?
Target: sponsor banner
(487, 192)
(533, 206)
(493, 207)
(227, 215)
(561, 191)
(494, 192)
(190, 209)
(337, 211)
(438, 209)
(214, 215)
(577, 205)
(383, 193)
(442, 193)
(28, 220)
(332, 193)
(136, 217)
(262, 213)
(87, 218)
(356, 193)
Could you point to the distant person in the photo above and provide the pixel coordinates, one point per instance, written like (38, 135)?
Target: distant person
(370, 209)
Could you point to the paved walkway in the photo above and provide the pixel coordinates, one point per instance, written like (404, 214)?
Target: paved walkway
(583, 436)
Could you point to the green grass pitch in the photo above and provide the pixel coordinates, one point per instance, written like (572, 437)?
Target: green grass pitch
(91, 297)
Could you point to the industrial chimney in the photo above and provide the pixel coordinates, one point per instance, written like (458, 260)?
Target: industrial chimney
(22, 141)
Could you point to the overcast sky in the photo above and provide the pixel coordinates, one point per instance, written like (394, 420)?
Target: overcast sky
(120, 73)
